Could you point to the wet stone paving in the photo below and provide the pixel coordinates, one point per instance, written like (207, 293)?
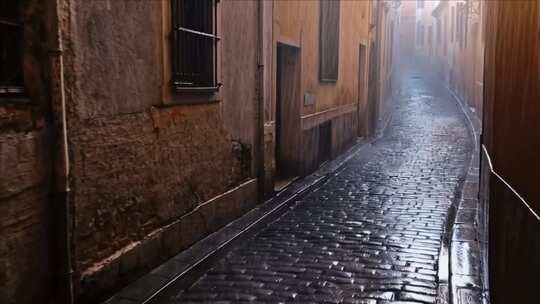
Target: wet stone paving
(372, 233)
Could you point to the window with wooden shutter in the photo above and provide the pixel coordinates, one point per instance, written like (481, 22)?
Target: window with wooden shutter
(11, 32)
(329, 40)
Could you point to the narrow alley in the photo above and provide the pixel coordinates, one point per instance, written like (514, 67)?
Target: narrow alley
(269, 151)
(373, 232)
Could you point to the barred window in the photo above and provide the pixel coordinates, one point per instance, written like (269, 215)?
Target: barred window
(11, 31)
(329, 40)
(194, 45)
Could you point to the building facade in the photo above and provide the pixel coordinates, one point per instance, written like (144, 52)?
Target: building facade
(130, 130)
(319, 66)
(450, 39)
(407, 34)
(425, 29)
(128, 133)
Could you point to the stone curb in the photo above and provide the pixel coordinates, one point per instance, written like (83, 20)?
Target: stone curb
(468, 244)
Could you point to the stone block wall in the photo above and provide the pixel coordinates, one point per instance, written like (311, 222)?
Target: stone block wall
(25, 243)
(26, 239)
(149, 166)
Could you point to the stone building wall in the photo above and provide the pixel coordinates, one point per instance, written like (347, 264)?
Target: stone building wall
(152, 174)
(26, 137)
(297, 24)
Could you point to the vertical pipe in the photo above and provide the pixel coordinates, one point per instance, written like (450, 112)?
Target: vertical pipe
(60, 197)
(259, 137)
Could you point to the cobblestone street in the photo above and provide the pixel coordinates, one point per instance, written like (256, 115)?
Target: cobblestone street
(373, 232)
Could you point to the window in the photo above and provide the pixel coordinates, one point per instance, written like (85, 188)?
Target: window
(11, 31)
(329, 40)
(420, 3)
(466, 25)
(459, 24)
(439, 31)
(419, 34)
(453, 22)
(463, 24)
(193, 45)
(445, 35)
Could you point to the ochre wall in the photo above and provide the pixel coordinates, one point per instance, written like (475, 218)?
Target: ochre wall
(296, 23)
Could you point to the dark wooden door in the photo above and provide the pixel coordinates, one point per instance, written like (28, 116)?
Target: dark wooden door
(372, 91)
(287, 111)
(362, 86)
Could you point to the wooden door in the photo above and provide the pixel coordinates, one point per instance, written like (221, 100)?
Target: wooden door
(287, 111)
(362, 87)
(372, 116)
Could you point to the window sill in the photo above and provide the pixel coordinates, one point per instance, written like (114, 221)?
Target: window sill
(14, 100)
(202, 90)
(192, 96)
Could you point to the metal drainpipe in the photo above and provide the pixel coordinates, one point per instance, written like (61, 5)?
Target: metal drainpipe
(259, 138)
(62, 173)
(379, 81)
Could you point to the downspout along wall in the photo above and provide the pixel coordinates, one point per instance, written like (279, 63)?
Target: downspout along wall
(61, 188)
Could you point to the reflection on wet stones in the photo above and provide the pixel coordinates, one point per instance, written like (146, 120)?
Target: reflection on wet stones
(371, 234)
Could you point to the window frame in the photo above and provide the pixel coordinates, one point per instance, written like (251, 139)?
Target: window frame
(439, 31)
(324, 71)
(453, 22)
(174, 85)
(419, 33)
(13, 92)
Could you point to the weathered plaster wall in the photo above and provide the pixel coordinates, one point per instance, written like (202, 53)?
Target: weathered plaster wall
(296, 23)
(117, 45)
(141, 167)
(469, 58)
(25, 243)
(26, 261)
(239, 57)
(407, 33)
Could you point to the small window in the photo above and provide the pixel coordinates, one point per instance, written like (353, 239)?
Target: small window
(458, 24)
(11, 31)
(329, 40)
(193, 45)
(453, 22)
(439, 31)
(419, 34)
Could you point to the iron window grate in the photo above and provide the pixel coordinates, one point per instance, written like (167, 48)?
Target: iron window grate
(194, 45)
(11, 32)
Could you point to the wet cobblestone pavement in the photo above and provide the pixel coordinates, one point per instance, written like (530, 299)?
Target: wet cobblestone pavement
(372, 233)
